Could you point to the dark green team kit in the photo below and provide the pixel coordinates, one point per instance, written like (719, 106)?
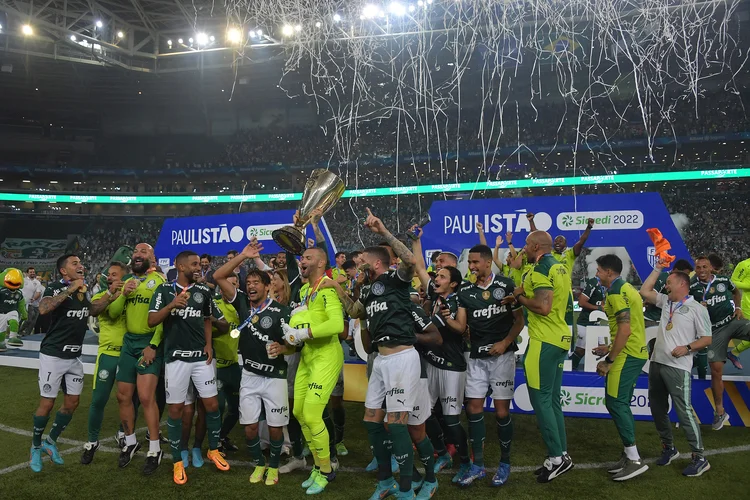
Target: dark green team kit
(389, 311)
(489, 321)
(68, 323)
(595, 292)
(265, 325)
(11, 300)
(449, 355)
(184, 329)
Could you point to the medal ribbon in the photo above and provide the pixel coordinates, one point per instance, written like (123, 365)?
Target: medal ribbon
(708, 287)
(313, 290)
(673, 309)
(253, 312)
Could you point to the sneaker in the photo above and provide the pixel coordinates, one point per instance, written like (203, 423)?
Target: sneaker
(311, 478)
(734, 359)
(502, 475)
(127, 453)
(178, 474)
(473, 474)
(292, 464)
(415, 485)
(227, 445)
(428, 490)
(197, 457)
(120, 440)
(463, 469)
(88, 452)
(384, 489)
(51, 449)
(218, 459)
(185, 455)
(567, 463)
(697, 466)
(35, 461)
(720, 421)
(320, 483)
(551, 471)
(162, 439)
(334, 464)
(272, 477)
(372, 466)
(667, 455)
(153, 459)
(541, 469)
(443, 462)
(14, 342)
(341, 449)
(257, 475)
(632, 469)
(405, 495)
(617, 467)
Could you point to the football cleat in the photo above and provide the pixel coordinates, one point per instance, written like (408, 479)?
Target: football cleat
(153, 459)
(35, 461)
(272, 477)
(50, 449)
(127, 453)
(88, 452)
(218, 459)
(258, 473)
(179, 475)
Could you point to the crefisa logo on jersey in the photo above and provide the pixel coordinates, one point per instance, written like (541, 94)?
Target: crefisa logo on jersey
(651, 256)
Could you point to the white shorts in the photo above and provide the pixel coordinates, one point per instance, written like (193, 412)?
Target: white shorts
(581, 337)
(257, 392)
(51, 373)
(179, 374)
(395, 379)
(422, 405)
(447, 386)
(292, 363)
(497, 373)
(338, 389)
(5, 319)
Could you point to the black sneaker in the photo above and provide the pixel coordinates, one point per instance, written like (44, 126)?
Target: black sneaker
(568, 462)
(551, 471)
(162, 439)
(226, 445)
(120, 440)
(88, 452)
(127, 453)
(540, 469)
(153, 459)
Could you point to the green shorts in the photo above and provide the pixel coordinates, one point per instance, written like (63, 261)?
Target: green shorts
(132, 348)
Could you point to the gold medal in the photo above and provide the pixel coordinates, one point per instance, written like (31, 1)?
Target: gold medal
(669, 326)
(187, 295)
(486, 295)
(234, 333)
(711, 290)
(255, 318)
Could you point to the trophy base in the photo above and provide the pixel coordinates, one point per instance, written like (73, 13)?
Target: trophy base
(290, 239)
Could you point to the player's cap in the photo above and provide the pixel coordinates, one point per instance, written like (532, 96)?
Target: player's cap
(13, 279)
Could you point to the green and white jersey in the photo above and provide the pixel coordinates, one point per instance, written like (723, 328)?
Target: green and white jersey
(489, 321)
(138, 304)
(225, 347)
(10, 300)
(595, 292)
(111, 330)
(388, 309)
(450, 355)
(567, 258)
(184, 329)
(264, 325)
(652, 312)
(716, 296)
(68, 323)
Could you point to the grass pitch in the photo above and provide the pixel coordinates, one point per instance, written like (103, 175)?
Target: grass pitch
(591, 443)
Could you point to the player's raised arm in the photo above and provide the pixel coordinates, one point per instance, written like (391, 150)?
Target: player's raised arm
(578, 247)
(408, 262)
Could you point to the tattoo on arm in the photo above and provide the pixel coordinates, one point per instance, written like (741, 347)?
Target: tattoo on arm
(370, 413)
(623, 317)
(49, 304)
(99, 306)
(408, 262)
(545, 297)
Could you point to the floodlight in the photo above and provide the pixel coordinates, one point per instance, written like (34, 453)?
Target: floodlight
(336, 18)
(27, 30)
(287, 30)
(99, 24)
(201, 38)
(120, 34)
(234, 36)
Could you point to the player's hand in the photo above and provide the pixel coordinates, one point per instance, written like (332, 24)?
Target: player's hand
(295, 218)
(341, 279)
(315, 216)
(374, 224)
(509, 237)
(295, 336)
(180, 301)
(202, 279)
(498, 348)
(130, 287)
(738, 314)
(147, 356)
(530, 216)
(445, 312)
(602, 368)
(209, 352)
(601, 350)
(590, 223)
(480, 227)
(115, 287)
(417, 231)
(680, 351)
(327, 283)
(310, 243)
(275, 349)
(498, 241)
(508, 299)
(75, 286)
(252, 250)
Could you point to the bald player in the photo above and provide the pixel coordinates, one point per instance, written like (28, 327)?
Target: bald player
(141, 357)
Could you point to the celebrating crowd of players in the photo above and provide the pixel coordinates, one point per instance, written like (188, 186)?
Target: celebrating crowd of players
(266, 345)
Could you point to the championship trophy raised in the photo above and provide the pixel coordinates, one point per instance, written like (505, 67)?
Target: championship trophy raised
(322, 190)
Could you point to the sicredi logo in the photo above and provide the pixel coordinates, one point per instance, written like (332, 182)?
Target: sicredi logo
(585, 400)
(614, 219)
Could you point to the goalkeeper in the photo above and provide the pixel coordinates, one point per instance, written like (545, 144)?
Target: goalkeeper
(317, 323)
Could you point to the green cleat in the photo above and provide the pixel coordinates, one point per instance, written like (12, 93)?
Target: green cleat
(51, 449)
(310, 480)
(320, 483)
(341, 449)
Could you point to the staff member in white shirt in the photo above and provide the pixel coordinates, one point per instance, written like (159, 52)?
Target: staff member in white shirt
(684, 329)
(32, 294)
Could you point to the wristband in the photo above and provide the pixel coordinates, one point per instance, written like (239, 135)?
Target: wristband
(607, 360)
(153, 346)
(689, 349)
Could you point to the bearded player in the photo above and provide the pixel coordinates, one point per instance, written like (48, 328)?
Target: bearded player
(316, 324)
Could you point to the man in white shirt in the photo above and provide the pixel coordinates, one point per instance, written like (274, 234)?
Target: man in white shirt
(32, 294)
(684, 329)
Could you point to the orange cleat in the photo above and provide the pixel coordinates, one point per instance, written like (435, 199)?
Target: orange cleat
(179, 473)
(218, 459)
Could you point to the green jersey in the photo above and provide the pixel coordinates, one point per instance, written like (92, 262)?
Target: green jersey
(595, 292)
(184, 336)
(111, 329)
(567, 258)
(450, 355)
(652, 312)
(67, 323)
(549, 274)
(11, 300)
(138, 304)
(225, 347)
(488, 319)
(265, 325)
(716, 296)
(622, 296)
(388, 308)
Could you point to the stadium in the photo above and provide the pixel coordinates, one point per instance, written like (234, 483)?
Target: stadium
(428, 169)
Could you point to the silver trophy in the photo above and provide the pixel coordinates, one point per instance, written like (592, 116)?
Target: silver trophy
(322, 190)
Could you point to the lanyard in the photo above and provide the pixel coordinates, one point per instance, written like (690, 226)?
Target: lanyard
(613, 282)
(708, 287)
(313, 290)
(673, 310)
(492, 278)
(253, 313)
(175, 285)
